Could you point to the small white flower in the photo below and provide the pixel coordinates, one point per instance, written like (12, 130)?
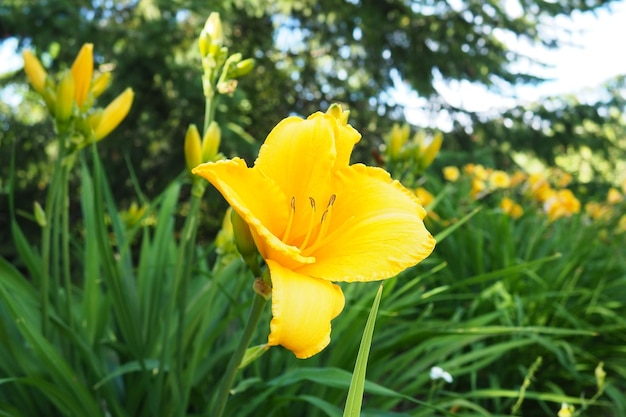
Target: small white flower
(438, 373)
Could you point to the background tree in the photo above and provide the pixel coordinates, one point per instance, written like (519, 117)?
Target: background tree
(309, 54)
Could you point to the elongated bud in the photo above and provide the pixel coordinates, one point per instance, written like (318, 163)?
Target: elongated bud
(114, 113)
(34, 71)
(193, 147)
(212, 36)
(65, 97)
(396, 140)
(40, 214)
(600, 374)
(82, 70)
(100, 83)
(431, 151)
(211, 142)
(244, 241)
(242, 68)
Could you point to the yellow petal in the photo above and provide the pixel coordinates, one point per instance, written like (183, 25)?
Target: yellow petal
(298, 155)
(82, 71)
(259, 201)
(302, 308)
(375, 231)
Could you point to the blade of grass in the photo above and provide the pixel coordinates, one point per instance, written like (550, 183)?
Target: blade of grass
(357, 384)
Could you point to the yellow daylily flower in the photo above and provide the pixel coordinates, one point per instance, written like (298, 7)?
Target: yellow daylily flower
(82, 71)
(316, 219)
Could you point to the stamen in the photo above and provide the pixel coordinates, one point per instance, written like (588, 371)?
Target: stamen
(311, 223)
(292, 213)
(324, 223)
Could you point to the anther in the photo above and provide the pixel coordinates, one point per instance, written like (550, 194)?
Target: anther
(292, 213)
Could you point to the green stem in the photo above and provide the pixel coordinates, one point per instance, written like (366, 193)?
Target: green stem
(183, 273)
(209, 111)
(235, 360)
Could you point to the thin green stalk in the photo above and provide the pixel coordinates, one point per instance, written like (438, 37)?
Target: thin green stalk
(65, 236)
(49, 234)
(235, 360)
(209, 112)
(183, 273)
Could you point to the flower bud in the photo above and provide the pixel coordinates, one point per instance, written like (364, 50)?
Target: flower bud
(114, 113)
(430, 151)
(213, 28)
(34, 71)
(193, 147)
(65, 97)
(82, 70)
(338, 113)
(211, 142)
(211, 37)
(40, 214)
(243, 240)
(396, 140)
(100, 83)
(242, 68)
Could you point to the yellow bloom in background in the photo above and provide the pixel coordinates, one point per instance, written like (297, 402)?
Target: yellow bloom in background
(480, 172)
(316, 219)
(511, 208)
(597, 210)
(113, 114)
(517, 178)
(424, 196)
(478, 186)
(82, 71)
(34, 71)
(563, 203)
(614, 196)
(451, 173)
(539, 187)
(499, 179)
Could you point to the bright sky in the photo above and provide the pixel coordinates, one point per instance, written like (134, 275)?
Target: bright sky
(592, 57)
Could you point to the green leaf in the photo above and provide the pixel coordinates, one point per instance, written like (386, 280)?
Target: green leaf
(357, 385)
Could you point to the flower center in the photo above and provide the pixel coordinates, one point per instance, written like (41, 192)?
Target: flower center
(315, 229)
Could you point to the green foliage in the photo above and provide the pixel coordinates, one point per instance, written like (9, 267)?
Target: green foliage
(125, 314)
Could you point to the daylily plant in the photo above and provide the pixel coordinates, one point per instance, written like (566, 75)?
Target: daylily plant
(316, 219)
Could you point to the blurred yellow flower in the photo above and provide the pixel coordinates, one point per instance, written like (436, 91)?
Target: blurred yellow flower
(566, 410)
(511, 208)
(319, 219)
(499, 179)
(562, 203)
(614, 196)
(82, 71)
(478, 186)
(518, 178)
(597, 210)
(539, 187)
(451, 173)
(424, 196)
